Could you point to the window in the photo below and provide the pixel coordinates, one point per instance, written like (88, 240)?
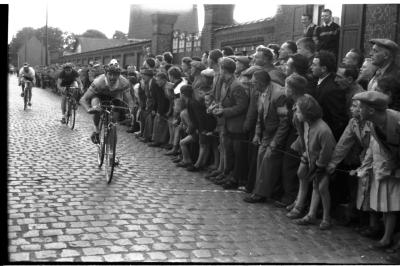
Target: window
(189, 39)
(182, 38)
(175, 41)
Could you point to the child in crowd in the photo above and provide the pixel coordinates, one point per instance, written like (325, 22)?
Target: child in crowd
(316, 144)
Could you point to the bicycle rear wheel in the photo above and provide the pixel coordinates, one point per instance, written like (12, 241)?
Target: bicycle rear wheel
(102, 144)
(71, 113)
(110, 153)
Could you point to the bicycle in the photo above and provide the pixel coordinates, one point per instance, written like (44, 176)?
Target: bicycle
(27, 86)
(106, 149)
(71, 106)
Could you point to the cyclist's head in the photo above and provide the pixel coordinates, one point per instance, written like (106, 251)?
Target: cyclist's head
(26, 66)
(67, 67)
(113, 71)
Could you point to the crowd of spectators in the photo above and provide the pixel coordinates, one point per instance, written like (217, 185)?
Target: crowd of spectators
(288, 124)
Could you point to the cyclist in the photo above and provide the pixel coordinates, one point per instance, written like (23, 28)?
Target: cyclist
(67, 77)
(27, 75)
(109, 86)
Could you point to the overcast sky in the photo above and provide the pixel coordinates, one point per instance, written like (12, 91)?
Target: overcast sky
(77, 16)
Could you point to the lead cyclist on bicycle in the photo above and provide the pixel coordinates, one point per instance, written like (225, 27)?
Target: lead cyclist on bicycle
(110, 86)
(27, 75)
(68, 77)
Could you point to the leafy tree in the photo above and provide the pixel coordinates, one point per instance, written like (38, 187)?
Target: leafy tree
(119, 35)
(55, 38)
(94, 34)
(20, 38)
(69, 41)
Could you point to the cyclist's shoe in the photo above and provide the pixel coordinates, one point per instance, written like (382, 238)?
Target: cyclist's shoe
(63, 121)
(29, 104)
(22, 94)
(95, 137)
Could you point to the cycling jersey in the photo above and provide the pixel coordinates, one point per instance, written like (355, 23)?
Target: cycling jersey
(68, 78)
(101, 87)
(30, 75)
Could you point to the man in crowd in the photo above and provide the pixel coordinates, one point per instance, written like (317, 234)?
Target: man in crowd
(383, 54)
(308, 25)
(327, 35)
(353, 58)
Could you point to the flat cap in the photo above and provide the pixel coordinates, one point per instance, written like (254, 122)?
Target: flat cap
(146, 71)
(245, 60)
(374, 99)
(386, 43)
(199, 65)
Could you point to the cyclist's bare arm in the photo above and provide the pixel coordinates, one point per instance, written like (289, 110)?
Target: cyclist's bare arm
(79, 84)
(59, 84)
(86, 98)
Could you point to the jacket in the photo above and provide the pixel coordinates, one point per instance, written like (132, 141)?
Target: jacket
(272, 126)
(234, 101)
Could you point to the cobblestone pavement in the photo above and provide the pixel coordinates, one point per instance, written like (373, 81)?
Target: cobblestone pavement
(61, 209)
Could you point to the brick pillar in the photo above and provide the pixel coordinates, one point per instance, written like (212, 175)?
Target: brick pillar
(163, 25)
(215, 16)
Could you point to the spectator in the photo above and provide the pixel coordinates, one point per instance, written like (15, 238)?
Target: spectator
(199, 82)
(185, 65)
(367, 71)
(384, 160)
(275, 51)
(149, 87)
(263, 60)
(298, 63)
(306, 47)
(242, 63)
(327, 35)
(233, 108)
(308, 26)
(316, 144)
(383, 54)
(204, 58)
(227, 51)
(331, 98)
(271, 132)
(287, 49)
(353, 58)
(196, 58)
(161, 105)
(150, 63)
(346, 77)
(390, 85)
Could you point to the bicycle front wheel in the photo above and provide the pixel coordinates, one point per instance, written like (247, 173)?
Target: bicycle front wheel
(110, 150)
(71, 113)
(102, 144)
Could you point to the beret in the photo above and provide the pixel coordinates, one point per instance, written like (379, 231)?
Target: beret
(374, 99)
(245, 60)
(199, 65)
(146, 71)
(386, 43)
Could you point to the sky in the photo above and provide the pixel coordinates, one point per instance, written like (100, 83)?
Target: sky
(78, 16)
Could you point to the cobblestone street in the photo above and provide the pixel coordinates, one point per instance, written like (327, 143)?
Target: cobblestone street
(61, 208)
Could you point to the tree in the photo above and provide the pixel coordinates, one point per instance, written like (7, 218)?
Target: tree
(55, 38)
(69, 41)
(94, 34)
(20, 38)
(119, 35)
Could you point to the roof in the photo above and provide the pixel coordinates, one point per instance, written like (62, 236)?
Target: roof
(141, 27)
(91, 44)
(245, 23)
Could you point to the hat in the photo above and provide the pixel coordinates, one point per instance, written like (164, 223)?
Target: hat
(374, 99)
(199, 65)
(26, 64)
(250, 71)
(386, 43)
(245, 60)
(146, 71)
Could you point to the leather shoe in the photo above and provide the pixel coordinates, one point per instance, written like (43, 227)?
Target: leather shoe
(379, 246)
(373, 233)
(280, 204)
(230, 185)
(193, 168)
(154, 144)
(325, 225)
(306, 220)
(167, 146)
(213, 174)
(254, 198)
(177, 160)
(172, 153)
(182, 164)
